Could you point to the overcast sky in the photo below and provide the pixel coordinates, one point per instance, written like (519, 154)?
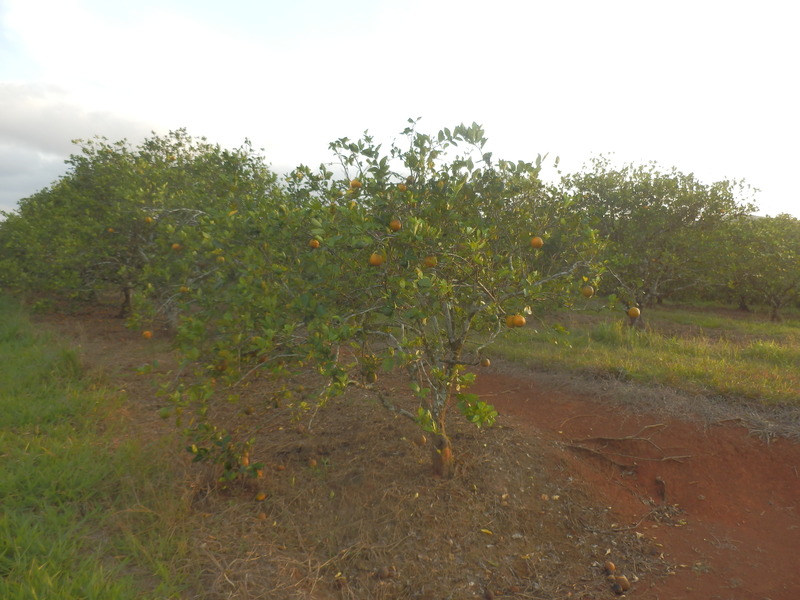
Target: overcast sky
(707, 86)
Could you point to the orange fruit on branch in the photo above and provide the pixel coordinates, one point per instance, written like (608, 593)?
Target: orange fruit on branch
(376, 260)
(395, 225)
(634, 312)
(587, 291)
(313, 243)
(537, 242)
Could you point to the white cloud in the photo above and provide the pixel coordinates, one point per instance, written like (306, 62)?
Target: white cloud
(37, 125)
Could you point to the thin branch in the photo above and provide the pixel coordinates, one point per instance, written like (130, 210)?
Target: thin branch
(395, 409)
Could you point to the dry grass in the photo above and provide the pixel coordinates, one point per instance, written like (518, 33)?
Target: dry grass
(353, 512)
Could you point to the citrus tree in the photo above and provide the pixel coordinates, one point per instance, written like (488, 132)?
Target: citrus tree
(118, 210)
(660, 225)
(759, 261)
(415, 258)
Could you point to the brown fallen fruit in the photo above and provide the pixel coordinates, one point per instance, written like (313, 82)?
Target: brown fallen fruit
(623, 582)
(609, 567)
(383, 573)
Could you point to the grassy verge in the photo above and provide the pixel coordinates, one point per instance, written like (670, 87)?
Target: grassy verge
(86, 512)
(695, 351)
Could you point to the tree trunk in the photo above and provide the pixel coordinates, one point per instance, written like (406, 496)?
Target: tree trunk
(743, 305)
(637, 322)
(125, 309)
(775, 315)
(443, 465)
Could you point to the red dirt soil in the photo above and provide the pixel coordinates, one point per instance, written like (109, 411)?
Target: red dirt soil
(735, 527)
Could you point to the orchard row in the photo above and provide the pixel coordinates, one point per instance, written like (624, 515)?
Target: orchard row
(413, 258)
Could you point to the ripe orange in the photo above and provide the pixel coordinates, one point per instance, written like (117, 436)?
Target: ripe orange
(587, 291)
(110, 230)
(376, 260)
(485, 362)
(260, 497)
(177, 247)
(431, 261)
(314, 243)
(147, 334)
(518, 321)
(355, 184)
(537, 242)
(395, 225)
(634, 312)
(402, 187)
(148, 220)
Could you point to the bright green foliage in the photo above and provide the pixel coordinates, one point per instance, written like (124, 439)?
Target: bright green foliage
(660, 226)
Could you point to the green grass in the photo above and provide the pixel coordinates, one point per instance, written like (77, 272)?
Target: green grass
(86, 513)
(695, 351)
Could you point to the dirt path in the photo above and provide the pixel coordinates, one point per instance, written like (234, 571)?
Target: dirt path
(737, 535)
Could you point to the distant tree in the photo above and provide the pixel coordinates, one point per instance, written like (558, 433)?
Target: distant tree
(759, 261)
(659, 225)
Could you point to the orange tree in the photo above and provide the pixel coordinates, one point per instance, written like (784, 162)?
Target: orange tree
(118, 209)
(66, 243)
(759, 261)
(414, 259)
(660, 226)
